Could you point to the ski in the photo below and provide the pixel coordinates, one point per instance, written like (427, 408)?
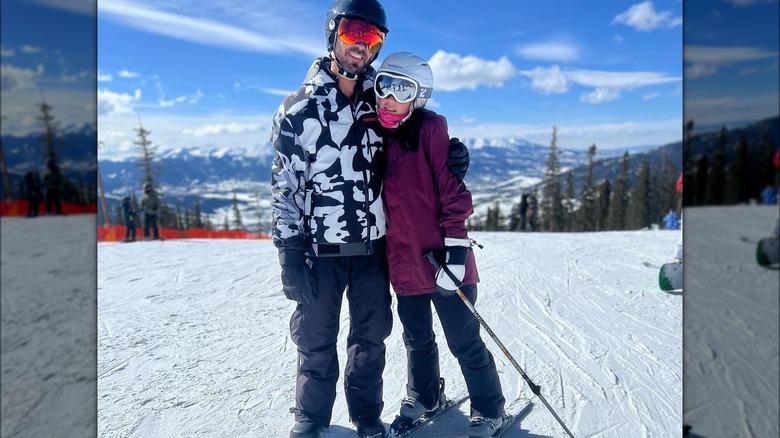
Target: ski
(514, 418)
(768, 251)
(403, 427)
(670, 277)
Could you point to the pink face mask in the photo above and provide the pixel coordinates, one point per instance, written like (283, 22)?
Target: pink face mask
(389, 120)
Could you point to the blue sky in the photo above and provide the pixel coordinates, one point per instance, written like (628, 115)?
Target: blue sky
(212, 74)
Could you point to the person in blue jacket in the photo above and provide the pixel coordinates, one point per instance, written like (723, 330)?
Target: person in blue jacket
(672, 220)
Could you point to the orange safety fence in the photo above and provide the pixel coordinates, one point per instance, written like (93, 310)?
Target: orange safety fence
(19, 208)
(116, 233)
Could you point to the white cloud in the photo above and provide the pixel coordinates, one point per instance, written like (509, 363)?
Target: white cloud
(705, 61)
(453, 72)
(748, 2)
(228, 128)
(12, 77)
(137, 94)
(206, 31)
(727, 109)
(600, 95)
(128, 74)
(550, 51)
(617, 38)
(7, 53)
(650, 96)
(276, 92)
(85, 7)
(77, 76)
(104, 77)
(192, 98)
(30, 49)
(607, 84)
(643, 17)
(609, 79)
(110, 103)
(548, 81)
(724, 55)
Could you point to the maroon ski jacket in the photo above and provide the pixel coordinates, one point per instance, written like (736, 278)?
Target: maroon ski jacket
(424, 203)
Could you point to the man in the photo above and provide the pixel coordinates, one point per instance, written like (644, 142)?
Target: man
(150, 204)
(329, 224)
(53, 181)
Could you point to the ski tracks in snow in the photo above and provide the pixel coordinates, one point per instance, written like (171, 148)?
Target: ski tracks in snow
(558, 309)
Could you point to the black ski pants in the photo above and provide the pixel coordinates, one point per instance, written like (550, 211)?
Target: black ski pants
(314, 329)
(461, 329)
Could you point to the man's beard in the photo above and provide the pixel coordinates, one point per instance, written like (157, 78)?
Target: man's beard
(352, 65)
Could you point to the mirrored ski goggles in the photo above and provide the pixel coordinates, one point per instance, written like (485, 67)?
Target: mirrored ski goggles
(402, 88)
(357, 31)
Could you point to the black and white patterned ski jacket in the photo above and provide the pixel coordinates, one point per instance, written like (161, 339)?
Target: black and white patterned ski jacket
(328, 167)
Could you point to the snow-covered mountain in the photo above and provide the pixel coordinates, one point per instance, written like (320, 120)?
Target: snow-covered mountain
(500, 170)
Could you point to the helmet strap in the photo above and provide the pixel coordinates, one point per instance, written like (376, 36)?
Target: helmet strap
(341, 72)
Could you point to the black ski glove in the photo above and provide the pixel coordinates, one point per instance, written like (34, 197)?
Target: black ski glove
(459, 158)
(298, 283)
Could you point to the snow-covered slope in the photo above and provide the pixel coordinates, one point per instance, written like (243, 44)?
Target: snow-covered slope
(193, 337)
(731, 329)
(48, 326)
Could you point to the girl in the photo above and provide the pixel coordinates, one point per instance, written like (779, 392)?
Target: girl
(426, 209)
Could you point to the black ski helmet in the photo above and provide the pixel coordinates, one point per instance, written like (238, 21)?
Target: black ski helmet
(147, 188)
(366, 10)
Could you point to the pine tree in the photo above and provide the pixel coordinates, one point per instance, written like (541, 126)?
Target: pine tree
(602, 205)
(736, 180)
(226, 224)
(178, 217)
(688, 166)
(638, 214)
(50, 127)
(701, 175)
(236, 214)
(667, 188)
(198, 219)
(569, 221)
(616, 216)
(147, 161)
(765, 166)
(716, 176)
(552, 209)
(587, 216)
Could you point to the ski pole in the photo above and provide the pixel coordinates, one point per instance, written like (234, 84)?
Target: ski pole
(536, 389)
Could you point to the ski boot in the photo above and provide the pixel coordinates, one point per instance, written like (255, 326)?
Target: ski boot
(370, 427)
(483, 427)
(306, 429)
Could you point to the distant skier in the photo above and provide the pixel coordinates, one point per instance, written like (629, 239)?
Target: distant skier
(672, 220)
(670, 276)
(417, 148)
(678, 250)
(53, 181)
(769, 195)
(523, 211)
(33, 188)
(150, 204)
(531, 212)
(129, 216)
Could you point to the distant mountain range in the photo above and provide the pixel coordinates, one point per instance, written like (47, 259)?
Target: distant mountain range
(501, 169)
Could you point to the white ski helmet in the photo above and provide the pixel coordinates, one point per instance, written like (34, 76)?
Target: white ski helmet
(410, 66)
